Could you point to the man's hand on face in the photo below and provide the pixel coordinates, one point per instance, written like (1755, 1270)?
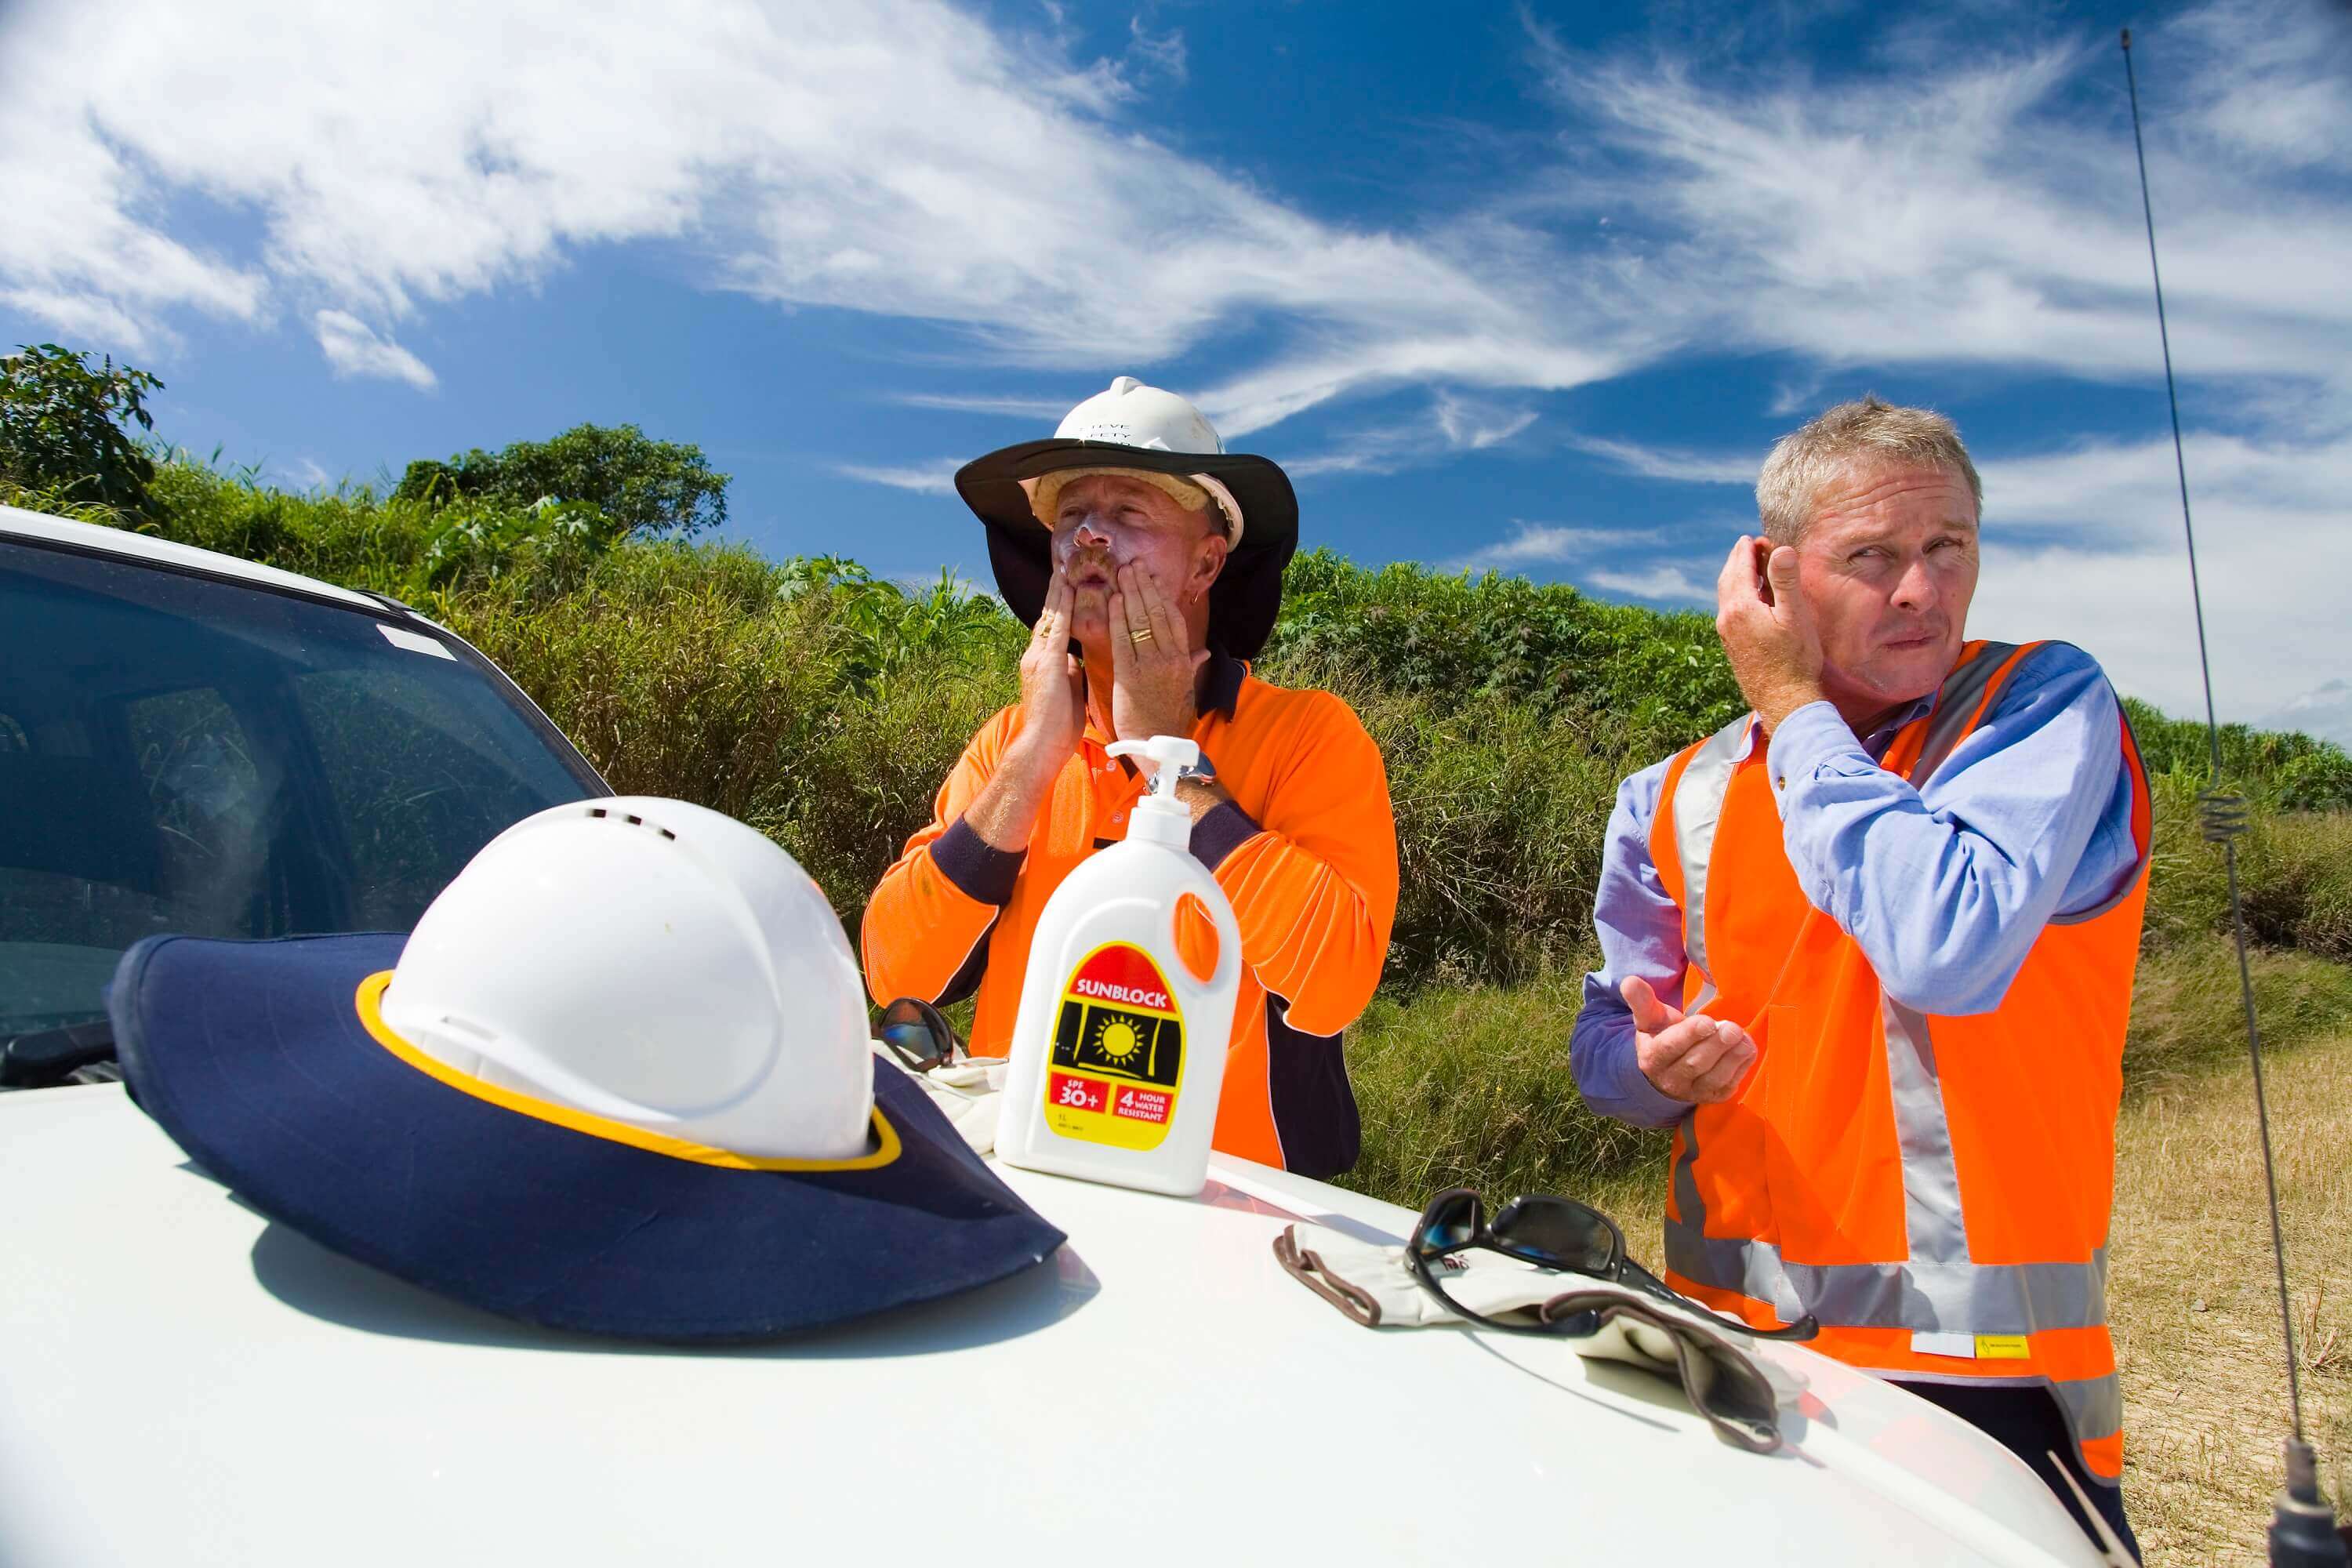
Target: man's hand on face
(1154, 667)
(1768, 633)
(1694, 1059)
(1052, 687)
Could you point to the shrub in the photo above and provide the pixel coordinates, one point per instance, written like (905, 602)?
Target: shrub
(65, 432)
(642, 485)
(2276, 767)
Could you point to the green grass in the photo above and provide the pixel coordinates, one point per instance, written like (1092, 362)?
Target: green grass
(1470, 1086)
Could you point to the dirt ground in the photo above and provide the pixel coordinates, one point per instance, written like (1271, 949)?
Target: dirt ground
(2194, 1303)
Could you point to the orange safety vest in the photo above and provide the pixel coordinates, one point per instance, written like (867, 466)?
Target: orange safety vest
(1934, 1190)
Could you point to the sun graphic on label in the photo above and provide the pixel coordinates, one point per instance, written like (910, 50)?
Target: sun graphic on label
(1117, 1039)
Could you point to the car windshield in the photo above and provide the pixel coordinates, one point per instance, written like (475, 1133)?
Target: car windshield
(181, 754)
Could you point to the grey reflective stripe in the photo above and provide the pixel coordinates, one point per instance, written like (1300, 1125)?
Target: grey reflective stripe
(2094, 1406)
(1751, 1268)
(1963, 1298)
(1698, 805)
(1956, 704)
(1931, 1182)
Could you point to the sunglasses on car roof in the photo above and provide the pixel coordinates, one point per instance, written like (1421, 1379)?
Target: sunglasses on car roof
(1551, 1233)
(915, 1032)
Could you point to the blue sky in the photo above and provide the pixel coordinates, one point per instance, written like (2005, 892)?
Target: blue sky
(1501, 287)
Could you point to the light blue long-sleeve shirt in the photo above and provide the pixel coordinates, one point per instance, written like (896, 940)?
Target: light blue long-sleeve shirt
(1945, 890)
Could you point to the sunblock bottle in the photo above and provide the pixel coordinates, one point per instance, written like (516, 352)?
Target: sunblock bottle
(1119, 1050)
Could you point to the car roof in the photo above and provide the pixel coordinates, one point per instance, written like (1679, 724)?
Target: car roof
(15, 523)
(190, 1383)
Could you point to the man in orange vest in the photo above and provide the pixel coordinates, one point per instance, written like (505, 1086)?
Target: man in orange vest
(1869, 951)
(1148, 561)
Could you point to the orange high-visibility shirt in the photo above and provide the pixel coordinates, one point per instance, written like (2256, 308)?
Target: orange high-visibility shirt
(1306, 851)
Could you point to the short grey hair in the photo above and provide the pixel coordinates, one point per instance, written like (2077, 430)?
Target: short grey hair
(1869, 433)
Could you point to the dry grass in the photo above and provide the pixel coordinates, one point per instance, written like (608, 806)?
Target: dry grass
(2195, 1303)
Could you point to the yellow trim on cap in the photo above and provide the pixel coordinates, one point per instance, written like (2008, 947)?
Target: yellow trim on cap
(370, 1005)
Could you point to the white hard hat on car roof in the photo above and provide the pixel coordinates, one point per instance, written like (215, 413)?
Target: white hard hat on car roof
(1129, 413)
(716, 1000)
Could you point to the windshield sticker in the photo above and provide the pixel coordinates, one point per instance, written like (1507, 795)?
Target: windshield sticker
(1118, 1052)
(416, 642)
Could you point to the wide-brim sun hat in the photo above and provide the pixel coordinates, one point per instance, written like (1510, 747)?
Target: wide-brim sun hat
(507, 1135)
(1144, 430)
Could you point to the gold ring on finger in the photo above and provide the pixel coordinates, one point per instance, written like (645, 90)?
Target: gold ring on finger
(1139, 634)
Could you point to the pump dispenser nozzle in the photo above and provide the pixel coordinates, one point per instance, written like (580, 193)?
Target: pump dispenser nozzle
(1174, 754)
(1160, 817)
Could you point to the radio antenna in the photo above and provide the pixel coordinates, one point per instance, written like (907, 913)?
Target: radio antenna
(2303, 1527)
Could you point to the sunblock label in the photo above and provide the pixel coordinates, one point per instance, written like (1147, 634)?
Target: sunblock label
(1118, 1052)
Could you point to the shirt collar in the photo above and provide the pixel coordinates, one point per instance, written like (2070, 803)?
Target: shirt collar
(1220, 693)
(1876, 743)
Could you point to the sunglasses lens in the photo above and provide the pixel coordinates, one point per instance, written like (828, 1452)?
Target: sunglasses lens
(913, 1038)
(1451, 1221)
(910, 1042)
(1565, 1234)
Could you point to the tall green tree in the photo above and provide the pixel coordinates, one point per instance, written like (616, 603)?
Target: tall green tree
(65, 428)
(644, 485)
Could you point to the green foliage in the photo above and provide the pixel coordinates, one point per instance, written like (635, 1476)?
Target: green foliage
(552, 541)
(751, 688)
(644, 485)
(2281, 767)
(2187, 1017)
(1470, 1087)
(64, 429)
(1657, 680)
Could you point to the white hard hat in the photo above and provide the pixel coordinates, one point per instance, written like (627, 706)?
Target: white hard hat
(1134, 415)
(652, 962)
(1129, 413)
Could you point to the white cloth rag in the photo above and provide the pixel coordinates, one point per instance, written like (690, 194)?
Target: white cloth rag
(1740, 1393)
(966, 1092)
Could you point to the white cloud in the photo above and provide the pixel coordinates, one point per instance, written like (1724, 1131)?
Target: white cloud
(1454, 423)
(1535, 544)
(902, 158)
(302, 473)
(1667, 463)
(1046, 408)
(1663, 580)
(1975, 216)
(936, 478)
(2325, 711)
(352, 348)
(1163, 53)
(898, 158)
(2087, 546)
(1475, 426)
(83, 317)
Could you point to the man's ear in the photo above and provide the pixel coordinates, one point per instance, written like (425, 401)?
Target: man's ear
(1209, 561)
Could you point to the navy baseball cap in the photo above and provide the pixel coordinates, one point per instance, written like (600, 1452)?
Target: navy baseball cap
(270, 1064)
